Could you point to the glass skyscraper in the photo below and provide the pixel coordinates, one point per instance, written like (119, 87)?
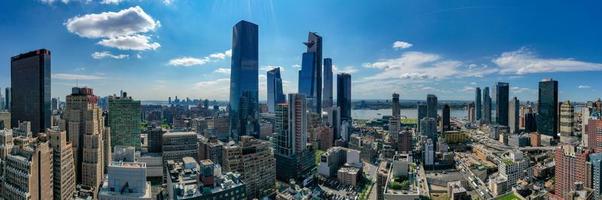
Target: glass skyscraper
(275, 93)
(327, 101)
(344, 95)
(431, 106)
(477, 102)
(501, 102)
(421, 107)
(244, 83)
(30, 82)
(486, 106)
(547, 107)
(310, 76)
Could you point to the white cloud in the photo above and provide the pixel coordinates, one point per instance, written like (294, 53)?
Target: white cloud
(130, 42)
(222, 70)
(112, 24)
(190, 61)
(270, 67)
(296, 66)
(584, 87)
(519, 90)
(187, 61)
(64, 76)
(401, 45)
(468, 89)
(168, 2)
(347, 69)
(215, 89)
(52, 1)
(524, 61)
(106, 54)
(115, 2)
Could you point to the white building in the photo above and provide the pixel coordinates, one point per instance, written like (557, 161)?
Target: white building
(126, 181)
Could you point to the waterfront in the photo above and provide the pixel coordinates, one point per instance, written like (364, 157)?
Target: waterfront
(408, 113)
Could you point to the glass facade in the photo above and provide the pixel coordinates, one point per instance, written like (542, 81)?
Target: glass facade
(344, 95)
(244, 83)
(431, 106)
(30, 97)
(486, 106)
(501, 102)
(327, 101)
(477, 100)
(275, 93)
(124, 120)
(547, 107)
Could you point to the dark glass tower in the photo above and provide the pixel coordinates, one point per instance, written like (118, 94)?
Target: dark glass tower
(314, 75)
(421, 107)
(275, 93)
(513, 115)
(307, 77)
(431, 106)
(327, 101)
(486, 106)
(501, 102)
(30, 82)
(547, 107)
(445, 117)
(244, 83)
(478, 108)
(344, 95)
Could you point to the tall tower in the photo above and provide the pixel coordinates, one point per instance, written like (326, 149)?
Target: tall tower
(30, 82)
(547, 107)
(513, 115)
(275, 93)
(431, 106)
(328, 90)
(314, 71)
(478, 105)
(344, 95)
(124, 121)
(421, 109)
(86, 132)
(394, 123)
(501, 103)
(486, 106)
(244, 83)
(445, 118)
(297, 122)
(62, 165)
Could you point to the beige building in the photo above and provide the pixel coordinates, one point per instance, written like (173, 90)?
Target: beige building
(348, 175)
(85, 128)
(28, 171)
(255, 161)
(5, 119)
(63, 166)
(177, 145)
(6, 143)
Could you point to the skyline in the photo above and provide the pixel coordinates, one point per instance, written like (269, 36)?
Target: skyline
(147, 48)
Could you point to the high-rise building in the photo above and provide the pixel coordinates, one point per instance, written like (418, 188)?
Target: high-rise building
(394, 121)
(344, 95)
(486, 118)
(30, 82)
(327, 101)
(570, 167)
(275, 93)
(177, 145)
(431, 106)
(7, 98)
(567, 117)
(421, 109)
(513, 115)
(471, 112)
(62, 165)
(593, 131)
(124, 120)
(445, 118)
(502, 91)
(404, 140)
(28, 171)
(547, 107)
(297, 122)
(428, 128)
(88, 135)
(310, 76)
(596, 162)
(6, 143)
(429, 152)
(254, 160)
(244, 81)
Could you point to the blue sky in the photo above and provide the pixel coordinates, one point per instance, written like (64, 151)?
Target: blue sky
(158, 48)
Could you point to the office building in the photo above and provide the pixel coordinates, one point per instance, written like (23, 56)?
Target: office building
(30, 96)
(88, 136)
(344, 95)
(177, 145)
(514, 115)
(567, 118)
(275, 93)
(28, 171)
(5, 120)
(547, 107)
(478, 104)
(502, 96)
(570, 168)
(126, 179)
(593, 131)
(211, 148)
(596, 162)
(335, 158)
(6, 143)
(327, 96)
(310, 76)
(431, 106)
(421, 109)
(404, 141)
(124, 121)
(394, 121)
(7, 98)
(486, 118)
(254, 160)
(428, 128)
(471, 112)
(429, 153)
(244, 81)
(445, 118)
(63, 167)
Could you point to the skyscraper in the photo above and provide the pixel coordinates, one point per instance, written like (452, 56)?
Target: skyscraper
(297, 122)
(28, 171)
(124, 121)
(513, 115)
(428, 128)
(501, 102)
(547, 107)
(344, 95)
(567, 116)
(327, 102)
(90, 139)
(244, 83)
(570, 168)
(421, 109)
(394, 121)
(596, 161)
(275, 93)
(314, 66)
(445, 118)
(30, 82)
(486, 118)
(62, 165)
(254, 160)
(593, 131)
(7, 98)
(478, 108)
(431, 106)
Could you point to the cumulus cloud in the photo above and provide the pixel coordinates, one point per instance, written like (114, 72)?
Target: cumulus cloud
(191, 61)
(115, 2)
(347, 69)
(107, 54)
(524, 61)
(519, 90)
(216, 89)
(222, 70)
(584, 87)
(123, 30)
(130, 42)
(401, 45)
(64, 76)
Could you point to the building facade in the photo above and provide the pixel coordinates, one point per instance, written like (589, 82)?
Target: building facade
(275, 93)
(124, 121)
(502, 96)
(547, 107)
